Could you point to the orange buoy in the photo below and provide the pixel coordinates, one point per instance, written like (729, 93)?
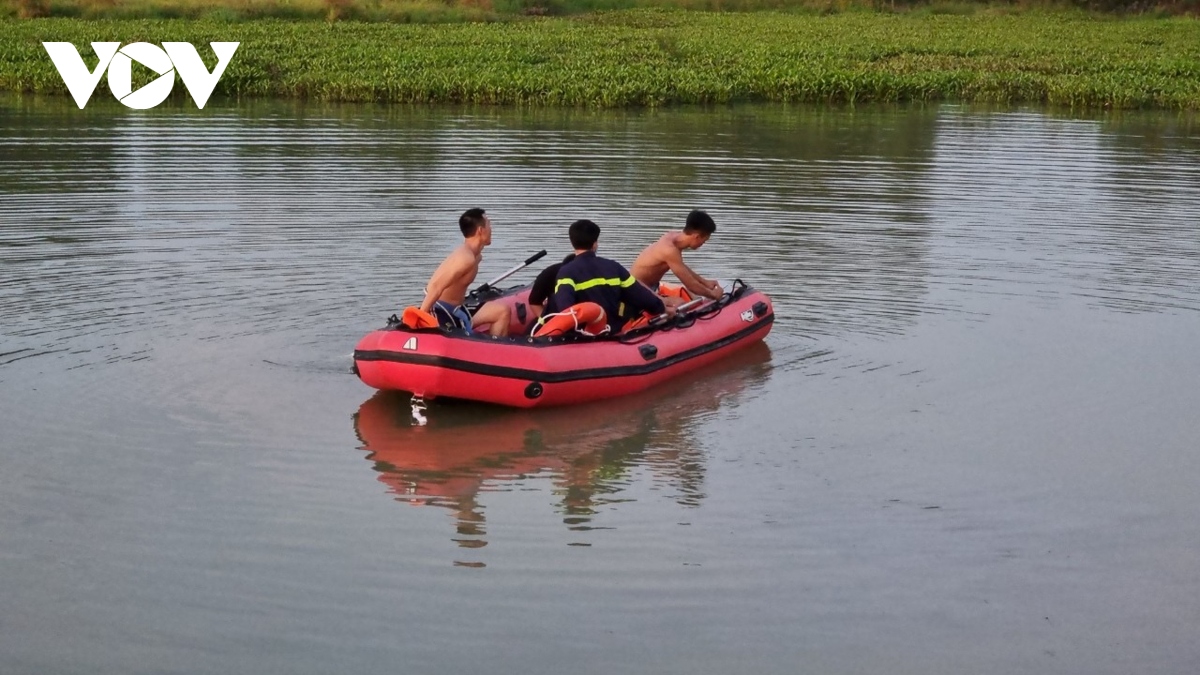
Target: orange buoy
(586, 317)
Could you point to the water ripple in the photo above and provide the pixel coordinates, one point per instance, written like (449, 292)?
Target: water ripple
(126, 232)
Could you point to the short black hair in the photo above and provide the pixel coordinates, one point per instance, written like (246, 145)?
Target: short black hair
(471, 220)
(700, 222)
(584, 234)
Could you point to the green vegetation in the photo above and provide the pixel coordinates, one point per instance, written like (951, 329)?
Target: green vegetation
(654, 57)
(445, 11)
(396, 11)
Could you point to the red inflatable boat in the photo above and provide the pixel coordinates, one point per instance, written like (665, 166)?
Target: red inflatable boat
(523, 371)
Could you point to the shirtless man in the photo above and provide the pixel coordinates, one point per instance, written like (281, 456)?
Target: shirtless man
(667, 254)
(447, 287)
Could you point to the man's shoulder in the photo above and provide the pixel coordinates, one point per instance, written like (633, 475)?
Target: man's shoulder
(593, 262)
(660, 244)
(459, 253)
(465, 257)
(670, 253)
(550, 272)
(611, 265)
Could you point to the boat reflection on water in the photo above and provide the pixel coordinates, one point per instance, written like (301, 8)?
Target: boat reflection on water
(589, 453)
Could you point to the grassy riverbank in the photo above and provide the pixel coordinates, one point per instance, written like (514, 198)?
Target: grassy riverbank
(442, 11)
(654, 57)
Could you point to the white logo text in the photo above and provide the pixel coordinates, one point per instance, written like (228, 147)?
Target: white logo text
(118, 61)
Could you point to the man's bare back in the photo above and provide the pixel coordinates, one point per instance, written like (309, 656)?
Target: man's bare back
(655, 261)
(453, 277)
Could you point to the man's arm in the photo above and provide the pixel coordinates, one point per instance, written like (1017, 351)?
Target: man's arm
(564, 293)
(634, 293)
(695, 283)
(543, 286)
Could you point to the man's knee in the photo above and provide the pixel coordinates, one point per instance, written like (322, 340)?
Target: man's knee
(503, 318)
(498, 311)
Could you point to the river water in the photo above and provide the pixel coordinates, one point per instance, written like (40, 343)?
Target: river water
(966, 446)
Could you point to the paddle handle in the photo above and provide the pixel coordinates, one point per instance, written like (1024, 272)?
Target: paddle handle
(690, 304)
(516, 268)
(679, 310)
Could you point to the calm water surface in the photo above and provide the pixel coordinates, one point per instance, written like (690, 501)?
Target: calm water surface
(968, 446)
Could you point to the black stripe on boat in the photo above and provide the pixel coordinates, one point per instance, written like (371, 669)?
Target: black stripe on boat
(561, 376)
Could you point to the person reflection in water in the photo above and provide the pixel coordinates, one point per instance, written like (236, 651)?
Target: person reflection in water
(589, 460)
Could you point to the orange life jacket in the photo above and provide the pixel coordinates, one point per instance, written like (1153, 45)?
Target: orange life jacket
(674, 291)
(413, 317)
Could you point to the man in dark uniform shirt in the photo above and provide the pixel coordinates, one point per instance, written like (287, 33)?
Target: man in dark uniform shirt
(590, 278)
(543, 287)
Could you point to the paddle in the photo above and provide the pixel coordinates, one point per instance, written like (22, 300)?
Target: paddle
(679, 311)
(489, 285)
